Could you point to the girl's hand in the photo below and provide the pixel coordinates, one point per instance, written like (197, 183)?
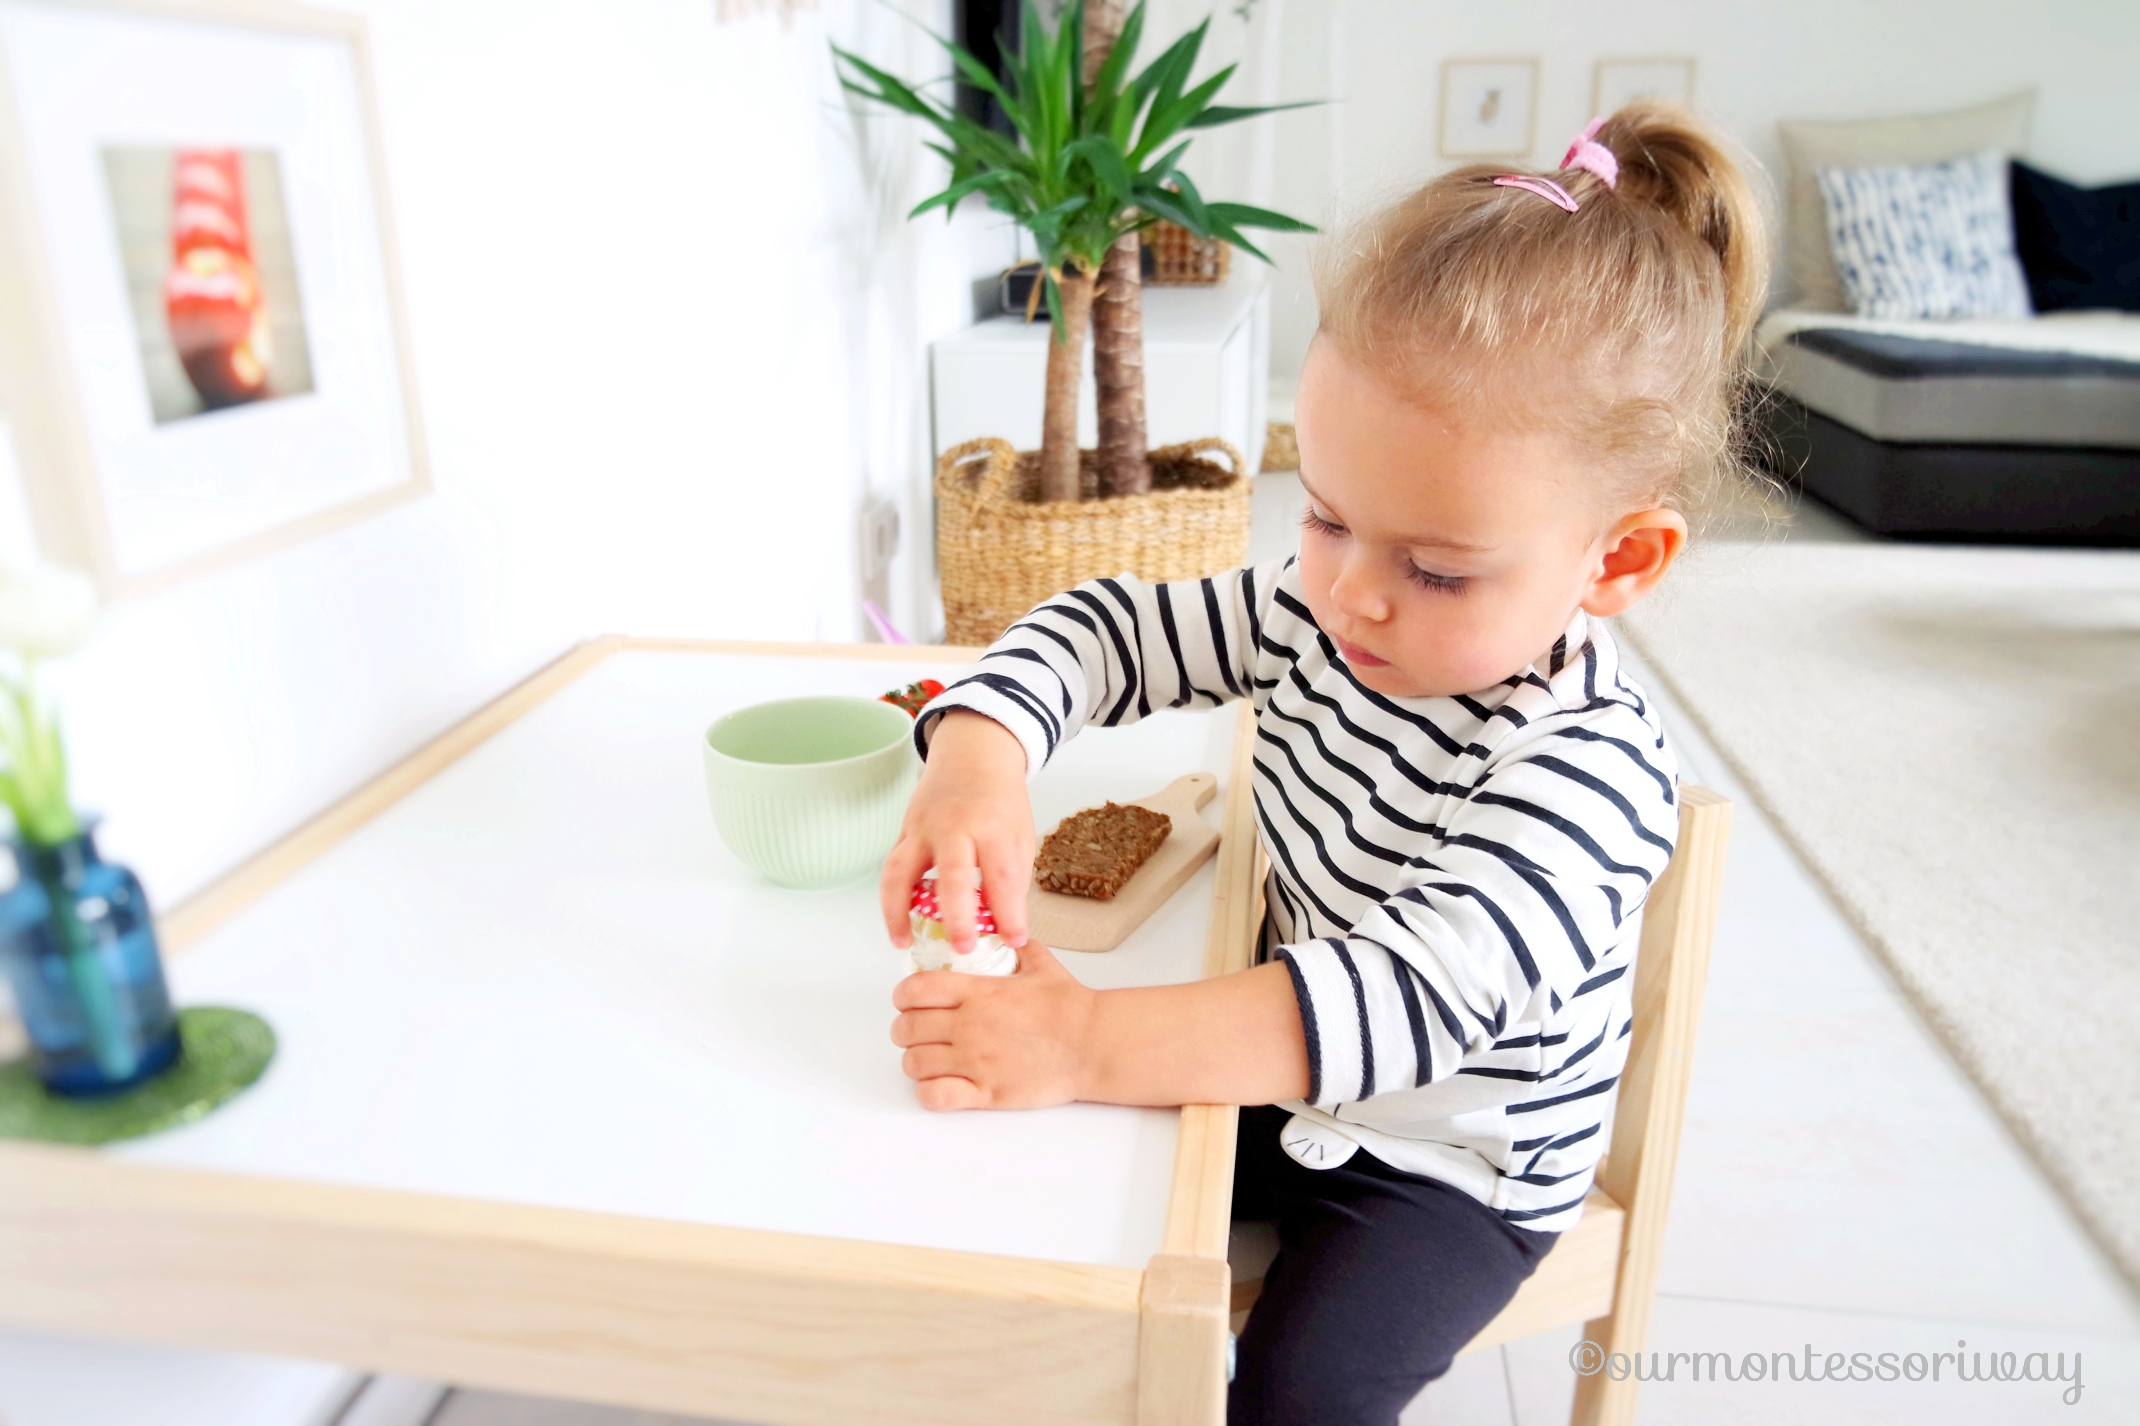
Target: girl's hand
(968, 811)
(995, 1042)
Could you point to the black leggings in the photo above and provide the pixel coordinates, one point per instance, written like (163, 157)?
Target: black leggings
(1381, 1278)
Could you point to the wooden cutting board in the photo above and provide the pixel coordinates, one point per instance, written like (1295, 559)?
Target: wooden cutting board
(1078, 923)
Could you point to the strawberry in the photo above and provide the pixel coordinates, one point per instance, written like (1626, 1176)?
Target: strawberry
(913, 696)
(922, 903)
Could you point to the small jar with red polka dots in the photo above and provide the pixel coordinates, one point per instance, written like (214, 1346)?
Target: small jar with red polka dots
(932, 948)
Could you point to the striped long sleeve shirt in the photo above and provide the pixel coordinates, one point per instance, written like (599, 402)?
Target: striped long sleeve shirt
(1453, 880)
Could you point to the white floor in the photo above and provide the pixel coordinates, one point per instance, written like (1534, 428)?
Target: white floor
(1842, 1189)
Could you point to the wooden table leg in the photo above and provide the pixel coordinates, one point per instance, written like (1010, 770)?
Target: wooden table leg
(1181, 1342)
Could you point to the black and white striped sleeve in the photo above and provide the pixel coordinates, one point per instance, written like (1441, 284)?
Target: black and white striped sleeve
(1515, 914)
(1110, 652)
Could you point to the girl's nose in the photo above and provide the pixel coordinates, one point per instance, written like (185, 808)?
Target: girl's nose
(1358, 593)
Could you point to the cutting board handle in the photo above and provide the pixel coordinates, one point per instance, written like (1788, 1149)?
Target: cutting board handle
(1196, 788)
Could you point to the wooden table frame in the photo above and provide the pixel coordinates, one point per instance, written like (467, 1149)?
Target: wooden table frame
(705, 1320)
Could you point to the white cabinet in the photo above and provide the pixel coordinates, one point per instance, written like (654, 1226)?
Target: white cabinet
(1207, 356)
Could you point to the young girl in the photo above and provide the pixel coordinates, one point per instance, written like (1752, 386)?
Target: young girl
(1520, 384)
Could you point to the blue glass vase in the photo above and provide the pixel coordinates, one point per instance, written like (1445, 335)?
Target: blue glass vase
(79, 949)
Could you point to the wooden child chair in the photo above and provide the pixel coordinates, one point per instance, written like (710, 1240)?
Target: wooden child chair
(1603, 1272)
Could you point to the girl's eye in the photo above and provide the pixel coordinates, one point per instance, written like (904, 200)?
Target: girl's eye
(1428, 579)
(1318, 524)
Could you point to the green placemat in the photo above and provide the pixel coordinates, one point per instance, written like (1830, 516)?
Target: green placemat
(221, 1051)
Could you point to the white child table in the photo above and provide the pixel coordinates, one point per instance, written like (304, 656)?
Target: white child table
(569, 1101)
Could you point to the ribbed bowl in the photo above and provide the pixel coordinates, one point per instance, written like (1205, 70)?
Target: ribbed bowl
(809, 791)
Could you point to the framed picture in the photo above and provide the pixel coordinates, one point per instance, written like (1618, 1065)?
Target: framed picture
(1488, 106)
(203, 352)
(1622, 81)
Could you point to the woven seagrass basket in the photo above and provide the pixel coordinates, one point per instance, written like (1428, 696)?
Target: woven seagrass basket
(1182, 259)
(1281, 447)
(1000, 550)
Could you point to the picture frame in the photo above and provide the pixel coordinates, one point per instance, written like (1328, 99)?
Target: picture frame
(204, 347)
(1489, 108)
(1617, 82)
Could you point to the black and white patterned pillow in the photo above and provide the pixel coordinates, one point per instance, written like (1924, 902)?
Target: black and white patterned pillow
(1931, 240)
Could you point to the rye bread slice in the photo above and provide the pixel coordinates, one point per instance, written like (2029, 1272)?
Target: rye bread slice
(1093, 852)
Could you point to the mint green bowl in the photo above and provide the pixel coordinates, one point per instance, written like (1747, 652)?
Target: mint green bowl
(809, 792)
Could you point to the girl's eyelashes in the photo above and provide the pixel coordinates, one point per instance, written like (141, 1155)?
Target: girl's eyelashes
(1428, 579)
(1424, 578)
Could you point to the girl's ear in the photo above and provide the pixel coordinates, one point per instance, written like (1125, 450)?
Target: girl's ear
(1636, 553)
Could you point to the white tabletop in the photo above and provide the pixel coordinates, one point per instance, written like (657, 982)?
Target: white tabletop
(541, 977)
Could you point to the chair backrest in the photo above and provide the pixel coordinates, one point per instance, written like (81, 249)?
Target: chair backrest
(1678, 923)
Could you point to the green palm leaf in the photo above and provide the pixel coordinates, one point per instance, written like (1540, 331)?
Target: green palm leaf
(1243, 216)
(1219, 114)
(1080, 172)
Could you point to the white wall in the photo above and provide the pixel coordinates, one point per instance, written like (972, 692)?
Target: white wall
(668, 321)
(1757, 63)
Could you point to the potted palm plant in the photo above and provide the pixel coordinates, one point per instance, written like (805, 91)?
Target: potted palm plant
(1095, 160)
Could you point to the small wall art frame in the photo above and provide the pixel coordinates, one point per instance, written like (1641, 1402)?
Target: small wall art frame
(1618, 82)
(204, 352)
(1489, 108)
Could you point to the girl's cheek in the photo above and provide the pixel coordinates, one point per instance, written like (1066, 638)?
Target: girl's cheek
(1318, 570)
(1465, 649)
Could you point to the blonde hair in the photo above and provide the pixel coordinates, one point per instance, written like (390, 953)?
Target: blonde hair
(1627, 320)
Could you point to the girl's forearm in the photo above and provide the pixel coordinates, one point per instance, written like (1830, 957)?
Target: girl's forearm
(1233, 1040)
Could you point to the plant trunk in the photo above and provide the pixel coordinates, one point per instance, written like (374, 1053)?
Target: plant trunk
(1118, 371)
(1117, 313)
(1066, 362)
(1103, 23)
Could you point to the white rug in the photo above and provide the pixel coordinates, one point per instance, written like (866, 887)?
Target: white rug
(1951, 739)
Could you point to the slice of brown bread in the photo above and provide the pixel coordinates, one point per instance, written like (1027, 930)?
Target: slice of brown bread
(1093, 852)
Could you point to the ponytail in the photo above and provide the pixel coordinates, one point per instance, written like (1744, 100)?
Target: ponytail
(1671, 163)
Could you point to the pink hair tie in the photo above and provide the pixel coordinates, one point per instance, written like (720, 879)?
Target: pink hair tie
(1545, 188)
(1587, 152)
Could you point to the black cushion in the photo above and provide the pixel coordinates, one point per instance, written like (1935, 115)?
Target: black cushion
(2079, 246)
(1916, 358)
